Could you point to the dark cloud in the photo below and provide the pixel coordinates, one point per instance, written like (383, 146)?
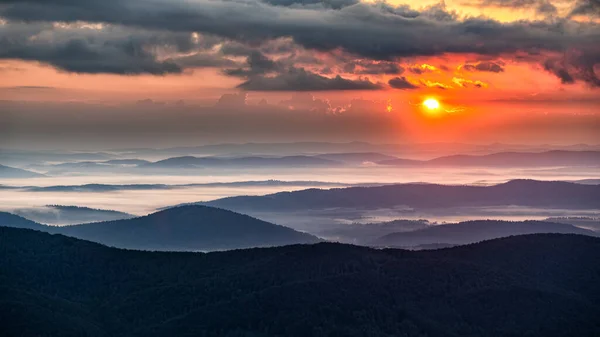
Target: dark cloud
(421, 69)
(587, 8)
(257, 64)
(571, 67)
(416, 70)
(559, 69)
(336, 4)
(88, 50)
(299, 79)
(541, 6)
(367, 67)
(401, 83)
(376, 31)
(205, 60)
(492, 67)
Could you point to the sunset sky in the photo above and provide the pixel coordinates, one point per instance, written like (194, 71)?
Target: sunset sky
(501, 70)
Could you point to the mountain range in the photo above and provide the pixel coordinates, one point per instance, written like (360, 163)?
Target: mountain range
(139, 187)
(241, 162)
(201, 228)
(554, 158)
(428, 149)
(186, 228)
(549, 194)
(510, 159)
(63, 214)
(474, 231)
(7, 172)
(534, 285)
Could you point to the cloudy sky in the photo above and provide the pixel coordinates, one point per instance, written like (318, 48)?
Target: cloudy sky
(501, 70)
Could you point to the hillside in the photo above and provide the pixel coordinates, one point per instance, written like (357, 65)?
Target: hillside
(140, 187)
(356, 157)
(366, 233)
(549, 194)
(61, 214)
(511, 159)
(475, 231)
(241, 162)
(186, 228)
(16, 221)
(539, 285)
(7, 172)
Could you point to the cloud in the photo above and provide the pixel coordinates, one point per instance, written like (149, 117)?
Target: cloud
(541, 6)
(306, 101)
(30, 87)
(257, 64)
(336, 4)
(88, 50)
(435, 84)
(466, 83)
(149, 103)
(574, 66)
(401, 83)
(422, 68)
(376, 31)
(586, 8)
(492, 67)
(236, 100)
(204, 60)
(379, 31)
(368, 67)
(299, 79)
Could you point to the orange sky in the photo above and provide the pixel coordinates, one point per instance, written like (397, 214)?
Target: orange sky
(469, 99)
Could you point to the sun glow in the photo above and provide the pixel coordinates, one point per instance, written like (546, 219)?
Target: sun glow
(431, 104)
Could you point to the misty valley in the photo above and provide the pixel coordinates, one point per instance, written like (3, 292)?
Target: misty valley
(377, 244)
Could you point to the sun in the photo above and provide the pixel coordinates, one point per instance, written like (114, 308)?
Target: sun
(431, 104)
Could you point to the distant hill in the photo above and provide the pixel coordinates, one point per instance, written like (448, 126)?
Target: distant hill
(549, 194)
(536, 286)
(511, 159)
(186, 228)
(7, 172)
(61, 215)
(588, 181)
(359, 233)
(105, 163)
(475, 231)
(137, 187)
(16, 221)
(247, 162)
(125, 162)
(356, 158)
(25, 157)
(582, 222)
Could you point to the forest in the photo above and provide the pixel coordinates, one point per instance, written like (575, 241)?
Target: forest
(531, 285)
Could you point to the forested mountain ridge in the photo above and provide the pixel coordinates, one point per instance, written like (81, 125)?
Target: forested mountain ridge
(552, 194)
(474, 231)
(191, 228)
(537, 285)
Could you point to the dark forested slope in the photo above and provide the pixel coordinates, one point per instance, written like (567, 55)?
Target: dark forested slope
(538, 285)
